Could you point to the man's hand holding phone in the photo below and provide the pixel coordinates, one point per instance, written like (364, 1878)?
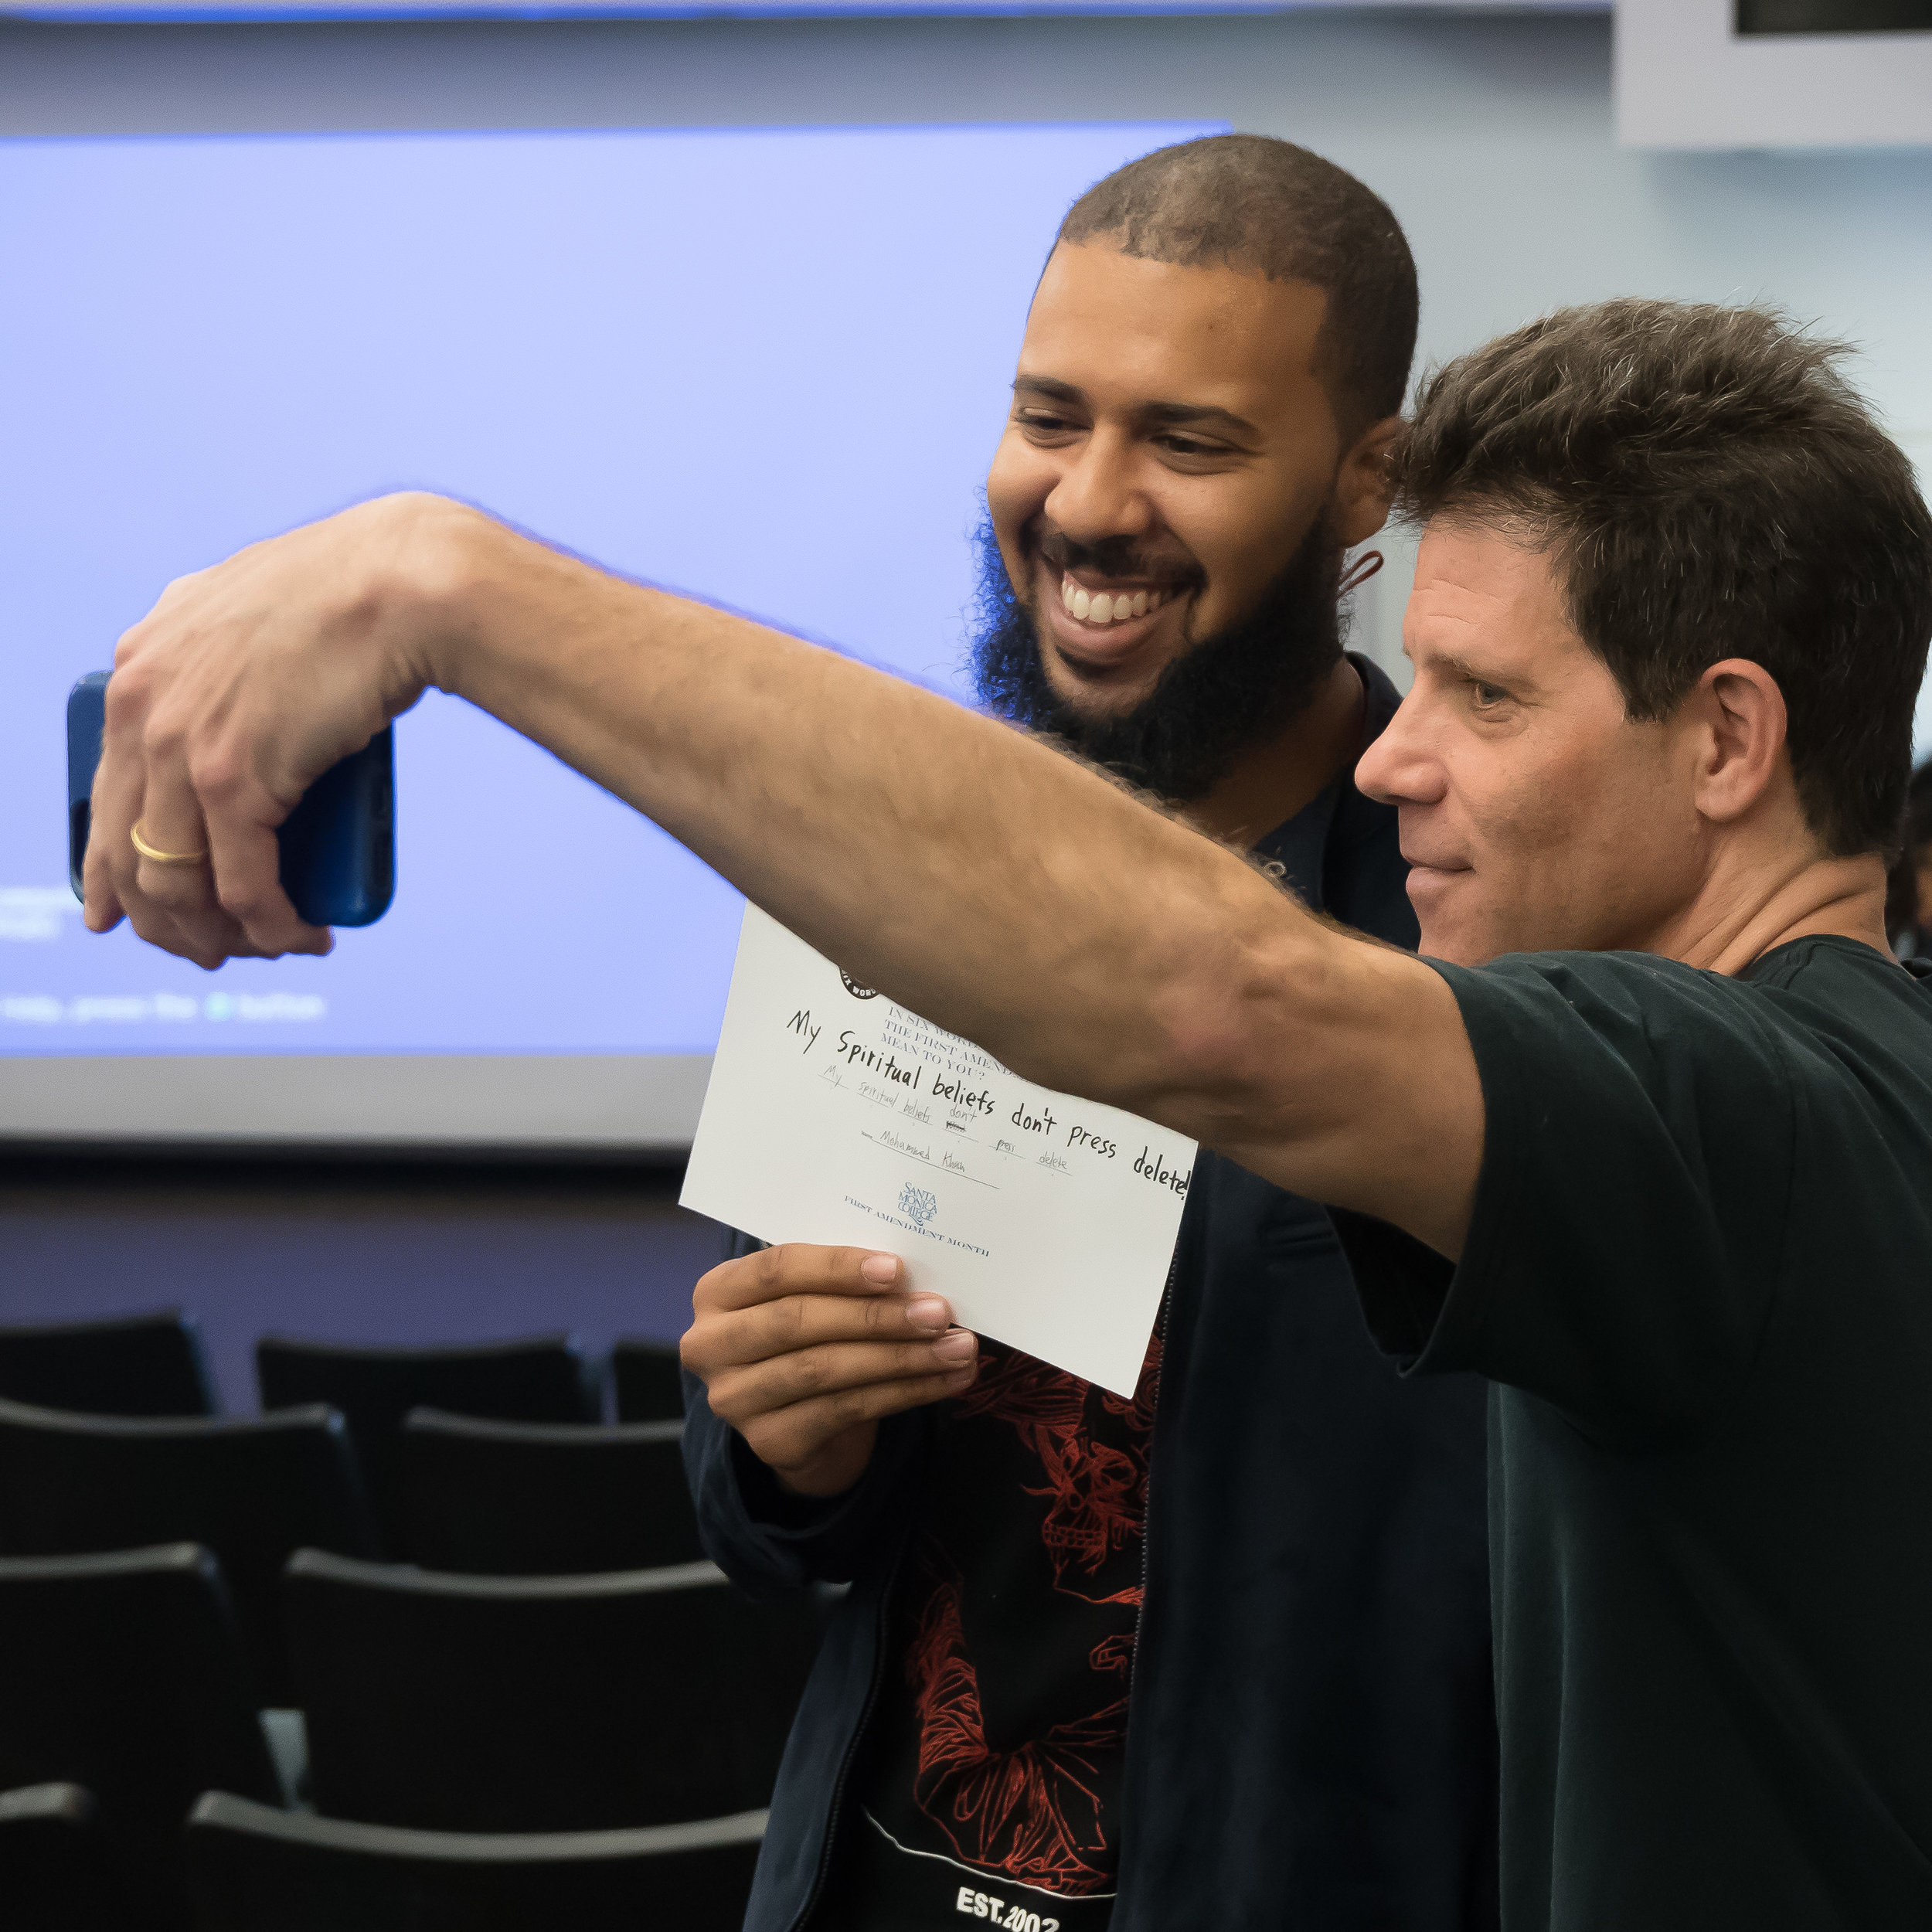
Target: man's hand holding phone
(804, 1350)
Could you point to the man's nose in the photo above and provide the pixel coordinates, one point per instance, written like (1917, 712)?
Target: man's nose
(1401, 767)
(1098, 494)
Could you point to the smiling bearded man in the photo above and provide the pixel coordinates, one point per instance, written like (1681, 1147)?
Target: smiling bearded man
(1278, 1548)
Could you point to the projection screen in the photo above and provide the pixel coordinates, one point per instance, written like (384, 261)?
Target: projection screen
(768, 367)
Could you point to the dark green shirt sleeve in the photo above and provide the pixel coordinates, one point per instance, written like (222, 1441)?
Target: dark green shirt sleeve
(1624, 1250)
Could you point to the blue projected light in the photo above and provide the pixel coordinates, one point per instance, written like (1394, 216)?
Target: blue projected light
(767, 367)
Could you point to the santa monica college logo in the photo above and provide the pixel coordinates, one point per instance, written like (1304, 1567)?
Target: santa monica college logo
(917, 1204)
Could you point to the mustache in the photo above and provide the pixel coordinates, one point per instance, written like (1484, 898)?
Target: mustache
(1223, 693)
(1116, 556)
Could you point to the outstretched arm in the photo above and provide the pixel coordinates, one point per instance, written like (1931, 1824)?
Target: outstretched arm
(974, 874)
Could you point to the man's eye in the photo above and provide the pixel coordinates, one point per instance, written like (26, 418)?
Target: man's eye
(1188, 446)
(1038, 420)
(1487, 696)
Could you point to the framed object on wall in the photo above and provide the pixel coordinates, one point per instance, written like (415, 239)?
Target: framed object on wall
(1773, 73)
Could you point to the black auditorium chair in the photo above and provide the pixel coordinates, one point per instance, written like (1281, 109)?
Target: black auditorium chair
(252, 1489)
(122, 1673)
(545, 1379)
(545, 1499)
(49, 1880)
(137, 1365)
(254, 1870)
(650, 1381)
(540, 1703)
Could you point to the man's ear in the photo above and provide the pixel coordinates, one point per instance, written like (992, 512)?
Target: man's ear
(1737, 712)
(1364, 484)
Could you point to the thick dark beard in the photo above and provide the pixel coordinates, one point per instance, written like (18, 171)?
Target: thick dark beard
(1230, 691)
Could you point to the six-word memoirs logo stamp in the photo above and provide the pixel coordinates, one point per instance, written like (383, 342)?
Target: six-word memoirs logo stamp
(853, 987)
(917, 1204)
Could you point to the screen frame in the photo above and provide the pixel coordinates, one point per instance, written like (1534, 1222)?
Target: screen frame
(571, 1107)
(230, 12)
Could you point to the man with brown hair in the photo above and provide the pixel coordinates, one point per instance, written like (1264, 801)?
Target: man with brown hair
(1647, 1141)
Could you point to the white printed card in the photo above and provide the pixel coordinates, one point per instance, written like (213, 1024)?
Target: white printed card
(836, 1116)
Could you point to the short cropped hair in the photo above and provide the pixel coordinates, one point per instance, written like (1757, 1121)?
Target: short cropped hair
(1268, 208)
(1709, 485)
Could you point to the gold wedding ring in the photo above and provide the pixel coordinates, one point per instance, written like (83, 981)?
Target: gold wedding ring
(165, 858)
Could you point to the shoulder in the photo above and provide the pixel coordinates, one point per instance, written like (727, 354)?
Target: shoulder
(1818, 1016)
(1635, 1002)
(1625, 1038)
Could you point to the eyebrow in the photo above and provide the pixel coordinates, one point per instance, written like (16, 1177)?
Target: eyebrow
(1519, 684)
(1155, 415)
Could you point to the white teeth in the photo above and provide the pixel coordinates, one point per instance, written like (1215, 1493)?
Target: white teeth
(1102, 606)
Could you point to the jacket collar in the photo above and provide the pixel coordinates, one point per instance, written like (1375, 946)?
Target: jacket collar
(1335, 818)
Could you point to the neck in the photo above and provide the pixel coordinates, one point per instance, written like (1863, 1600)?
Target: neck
(1734, 920)
(1272, 780)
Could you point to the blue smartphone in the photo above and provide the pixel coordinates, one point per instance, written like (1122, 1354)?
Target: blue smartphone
(338, 845)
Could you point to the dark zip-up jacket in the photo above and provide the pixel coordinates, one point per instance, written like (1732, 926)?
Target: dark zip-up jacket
(1311, 1742)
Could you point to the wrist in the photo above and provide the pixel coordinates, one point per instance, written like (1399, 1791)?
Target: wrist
(832, 1471)
(432, 610)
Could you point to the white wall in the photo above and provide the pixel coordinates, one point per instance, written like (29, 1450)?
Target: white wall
(1491, 137)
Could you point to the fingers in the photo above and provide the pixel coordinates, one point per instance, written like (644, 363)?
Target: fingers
(801, 1348)
(240, 816)
(107, 869)
(793, 1437)
(214, 892)
(246, 859)
(800, 1298)
(118, 880)
(798, 1268)
(801, 1324)
(171, 900)
(748, 1389)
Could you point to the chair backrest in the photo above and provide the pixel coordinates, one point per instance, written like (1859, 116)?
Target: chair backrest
(137, 1365)
(251, 1489)
(257, 1870)
(540, 1703)
(123, 1673)
(650, 1381)
(48, 1878)
(545, 1499)
(543, 1379)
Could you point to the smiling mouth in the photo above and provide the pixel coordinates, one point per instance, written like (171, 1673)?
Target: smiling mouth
(1099, 608)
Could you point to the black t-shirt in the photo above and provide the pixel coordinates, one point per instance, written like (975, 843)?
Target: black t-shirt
(991, 1782)
(1700, 1274)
